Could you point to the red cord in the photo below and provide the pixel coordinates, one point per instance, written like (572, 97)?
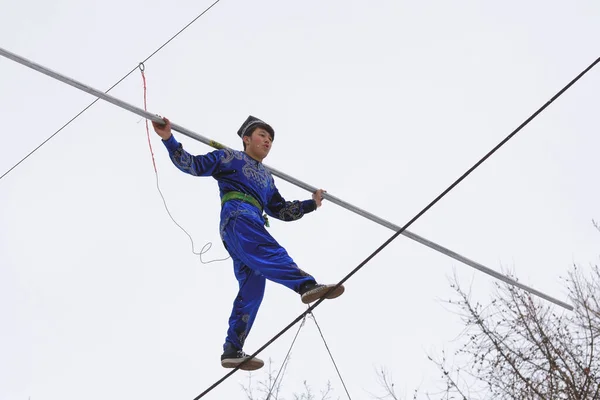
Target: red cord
(209, 244)
(146, 109)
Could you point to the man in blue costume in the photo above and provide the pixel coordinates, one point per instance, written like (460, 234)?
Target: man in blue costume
(247, 189)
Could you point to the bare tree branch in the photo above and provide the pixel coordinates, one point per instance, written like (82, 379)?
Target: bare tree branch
(519, 348)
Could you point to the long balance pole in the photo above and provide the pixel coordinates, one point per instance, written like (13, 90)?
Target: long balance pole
(282, 175)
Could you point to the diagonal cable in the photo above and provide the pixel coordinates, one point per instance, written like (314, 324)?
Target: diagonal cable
(408, 224)
(109, 89)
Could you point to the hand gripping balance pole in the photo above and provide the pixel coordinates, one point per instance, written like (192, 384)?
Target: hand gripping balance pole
(281, 175)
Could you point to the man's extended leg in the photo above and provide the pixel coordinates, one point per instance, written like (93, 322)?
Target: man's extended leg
(256, 248)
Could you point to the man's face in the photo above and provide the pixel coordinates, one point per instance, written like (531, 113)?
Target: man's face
(258, 144)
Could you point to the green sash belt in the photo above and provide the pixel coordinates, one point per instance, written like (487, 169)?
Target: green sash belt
(233, 195)
(241, 196)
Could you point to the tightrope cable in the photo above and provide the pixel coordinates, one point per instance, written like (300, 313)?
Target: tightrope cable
(407, 225)
(109, 89)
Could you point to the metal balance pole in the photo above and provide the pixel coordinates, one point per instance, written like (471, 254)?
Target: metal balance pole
(282, 175)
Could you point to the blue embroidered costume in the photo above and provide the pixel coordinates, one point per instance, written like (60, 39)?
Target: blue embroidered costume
(247, 189)
(256, 254)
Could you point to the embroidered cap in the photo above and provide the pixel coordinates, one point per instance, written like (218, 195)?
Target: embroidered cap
(251, 123)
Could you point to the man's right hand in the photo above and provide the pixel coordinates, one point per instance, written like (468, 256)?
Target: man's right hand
(164, 131)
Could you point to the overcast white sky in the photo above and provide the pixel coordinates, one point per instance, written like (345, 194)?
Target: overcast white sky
(382, 103)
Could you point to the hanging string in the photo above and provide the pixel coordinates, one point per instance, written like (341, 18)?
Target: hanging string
(208, 245)
(285, 361)
(330, 355)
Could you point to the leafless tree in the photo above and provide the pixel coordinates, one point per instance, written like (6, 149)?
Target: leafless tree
(518, 347)
(386, 383)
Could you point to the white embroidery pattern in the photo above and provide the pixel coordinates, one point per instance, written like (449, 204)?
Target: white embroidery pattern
(229, 155)
(257, 173)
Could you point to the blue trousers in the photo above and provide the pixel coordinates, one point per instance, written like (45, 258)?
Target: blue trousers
(256, 257)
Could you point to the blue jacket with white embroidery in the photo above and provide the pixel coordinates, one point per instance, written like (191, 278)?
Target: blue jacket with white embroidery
(236, 171)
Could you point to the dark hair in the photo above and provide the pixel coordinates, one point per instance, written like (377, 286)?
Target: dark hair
(244, 143)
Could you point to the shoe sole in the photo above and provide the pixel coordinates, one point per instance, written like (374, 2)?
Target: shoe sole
(251, 365)
(316, 294)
